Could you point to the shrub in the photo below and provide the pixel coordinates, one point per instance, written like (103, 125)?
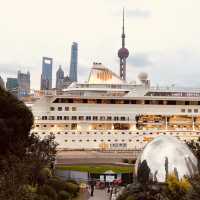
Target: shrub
(72, 188)
(72, 181)
(63, 195)
(130, 198)
(47, 191)
(57, 184)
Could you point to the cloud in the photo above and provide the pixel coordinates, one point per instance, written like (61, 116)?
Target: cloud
(140, 60)
(140, 13)
(8, 68)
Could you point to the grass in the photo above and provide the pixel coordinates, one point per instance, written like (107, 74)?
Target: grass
(97, 169)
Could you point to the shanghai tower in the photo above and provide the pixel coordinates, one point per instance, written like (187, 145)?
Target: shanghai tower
(74, 62)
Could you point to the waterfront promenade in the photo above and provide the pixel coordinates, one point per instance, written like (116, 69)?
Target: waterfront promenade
(93, 157)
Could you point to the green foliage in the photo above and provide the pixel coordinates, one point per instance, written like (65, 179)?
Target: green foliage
(47, 191)
(176, 189)
(130, 198)
(57, 184)
(23, 156)
(143, 173)
(72, 188)
(63, 195)
(97, 169)
(16, 121)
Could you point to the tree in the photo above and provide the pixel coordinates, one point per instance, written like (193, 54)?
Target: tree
(143, 173)
(22, 155)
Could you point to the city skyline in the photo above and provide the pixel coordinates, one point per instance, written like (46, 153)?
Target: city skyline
(165, 46)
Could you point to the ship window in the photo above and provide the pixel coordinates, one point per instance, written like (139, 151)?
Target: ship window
(130, 133)
(51, 117)
(66, 140)
(87, 140)
(43, 132)
(123, 118)
(80, 140)
(101, 140)
(95, 140)
(66, 117)
(44, 117)
(52, 108)
(66, 125)
(126, 101)
(196, 110)
(102, 118)
(73, 108)
(146, 102)
(109, 132)
(108, 140)
(171, 102)
(99, 101)
(59, 108)
(35, 133)
(88, 132)
(44, 125)
(59, 117)
(95, 118)
(189, 110)
(183, 110)
(81, 118)
(85, 100)
(74, 118)
(116, 140)
(130, 140)
(58, 133)
(74, 126)
(116, 118)
(123, 133)
(66, 133)
(73, 140)
(122, 140)
(133, 101)
(88, 117)
(37, 125)
(109, 118)
(66, 108)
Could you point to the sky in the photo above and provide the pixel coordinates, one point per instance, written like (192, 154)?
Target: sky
(162, 37)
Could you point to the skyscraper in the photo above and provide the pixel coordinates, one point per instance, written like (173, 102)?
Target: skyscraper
(123, 54)
(23, 83)
(46, 76)
(59, 78)
(74, 62)
(2, 85)
(11, 84)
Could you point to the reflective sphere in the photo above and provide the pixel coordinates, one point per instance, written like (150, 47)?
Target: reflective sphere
(123, 53)
(167, 155)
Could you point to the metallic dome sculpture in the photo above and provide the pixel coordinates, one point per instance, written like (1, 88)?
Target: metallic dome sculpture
(167, 155)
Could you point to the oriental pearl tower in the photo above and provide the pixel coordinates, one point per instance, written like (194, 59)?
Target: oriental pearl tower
(123, 54)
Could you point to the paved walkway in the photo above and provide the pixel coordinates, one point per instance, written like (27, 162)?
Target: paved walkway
(100, 195)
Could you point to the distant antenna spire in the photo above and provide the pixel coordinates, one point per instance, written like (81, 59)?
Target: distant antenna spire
(123, 34)
(123, 54)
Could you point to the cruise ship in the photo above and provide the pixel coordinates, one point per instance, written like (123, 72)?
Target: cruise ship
(110, 113)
